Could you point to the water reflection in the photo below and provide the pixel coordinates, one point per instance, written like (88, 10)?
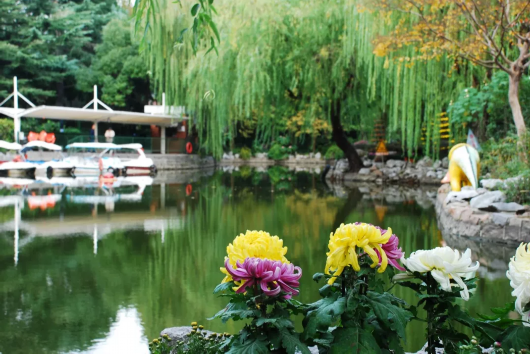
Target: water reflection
(100, 267)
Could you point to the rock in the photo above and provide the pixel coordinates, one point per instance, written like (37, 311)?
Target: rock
(364, 171)
(377, 172)
(236, 156)
(512, 180)
(500, 218)
(430, 174)
(291, 157)
(424, 162)
(508, 207)
(491, 183)
(395, 163)
(486, 199)
(367, 162)
(361, 153)
(342, 166)
(437, 164)
(179, 334)
(445, 162)
(460, 196)
(318, 155)
(261, 155)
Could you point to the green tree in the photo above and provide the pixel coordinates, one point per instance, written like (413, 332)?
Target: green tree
(45, 43)
(118, 68)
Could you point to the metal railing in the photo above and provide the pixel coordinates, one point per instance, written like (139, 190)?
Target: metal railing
(150, 145)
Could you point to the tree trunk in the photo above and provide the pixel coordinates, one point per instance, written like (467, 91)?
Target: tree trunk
(354, 160)
(513, 98)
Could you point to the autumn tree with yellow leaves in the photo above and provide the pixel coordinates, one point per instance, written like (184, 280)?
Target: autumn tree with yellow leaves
(494, 34)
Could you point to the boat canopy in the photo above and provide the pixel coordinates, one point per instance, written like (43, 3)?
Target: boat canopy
(41, 144)
(92, 146)
(135, 146)
(9, 146)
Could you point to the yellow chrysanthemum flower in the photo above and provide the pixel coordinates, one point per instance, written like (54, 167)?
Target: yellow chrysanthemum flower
(258, 244)
(343, 246)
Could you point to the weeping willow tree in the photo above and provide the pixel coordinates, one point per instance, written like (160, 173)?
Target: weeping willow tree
(276, 57)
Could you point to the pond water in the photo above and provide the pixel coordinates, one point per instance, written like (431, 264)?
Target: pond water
(100, 269)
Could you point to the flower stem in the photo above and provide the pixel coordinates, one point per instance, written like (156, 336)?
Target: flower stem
(429, 306)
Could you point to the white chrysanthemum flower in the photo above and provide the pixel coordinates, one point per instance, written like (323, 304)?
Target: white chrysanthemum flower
(444, 264)
(519, 275)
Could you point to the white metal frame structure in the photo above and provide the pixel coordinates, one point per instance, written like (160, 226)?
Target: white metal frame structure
(94, 115)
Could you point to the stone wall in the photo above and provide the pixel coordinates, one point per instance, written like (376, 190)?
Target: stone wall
(481, 215)
(261, 159)
(181, 161)
(424, 171)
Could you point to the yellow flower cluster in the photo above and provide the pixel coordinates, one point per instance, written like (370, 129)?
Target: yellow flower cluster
(343, 246)
(258, 244)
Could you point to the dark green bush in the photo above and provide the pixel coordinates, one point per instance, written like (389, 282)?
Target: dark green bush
(334, 152)
(278, 152)
(245, 153)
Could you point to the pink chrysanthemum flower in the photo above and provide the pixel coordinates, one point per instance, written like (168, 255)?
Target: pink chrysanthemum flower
(392, 250)
(272, 277)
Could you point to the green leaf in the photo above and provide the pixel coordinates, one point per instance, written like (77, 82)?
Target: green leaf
(249, 346)
(504, 311)
(292, 343)
(195, 9)
(323, 313)
(354, 340)
(212, 26)
(318, 276)
(180, 38)
(223, 287)
(464, 318)
(235, 310)
(516, 337)
(392, 316)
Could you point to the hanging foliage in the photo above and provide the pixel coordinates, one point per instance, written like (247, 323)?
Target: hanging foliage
(277, 60)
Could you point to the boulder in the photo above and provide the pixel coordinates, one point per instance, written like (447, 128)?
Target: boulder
(364, 171)
(424, 162)
(445, 162)
(367, 162)
(487, 199)
(395, 163)
(460, 196)
(261, 155)
(236, 156)
(437, 164)
(318, 155)
(342, 166)
(491, 183)
(430, 174)
(507, 207)
(177, 334)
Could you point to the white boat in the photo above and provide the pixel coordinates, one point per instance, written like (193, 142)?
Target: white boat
(17, 167)
(55, 167)
(95, 159)
(142, 165)
(9, 182)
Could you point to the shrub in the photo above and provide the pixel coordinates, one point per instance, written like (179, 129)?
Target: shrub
(245, 153)
(504, 158)
(334, 152)
(519, 190)
(277, 152)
